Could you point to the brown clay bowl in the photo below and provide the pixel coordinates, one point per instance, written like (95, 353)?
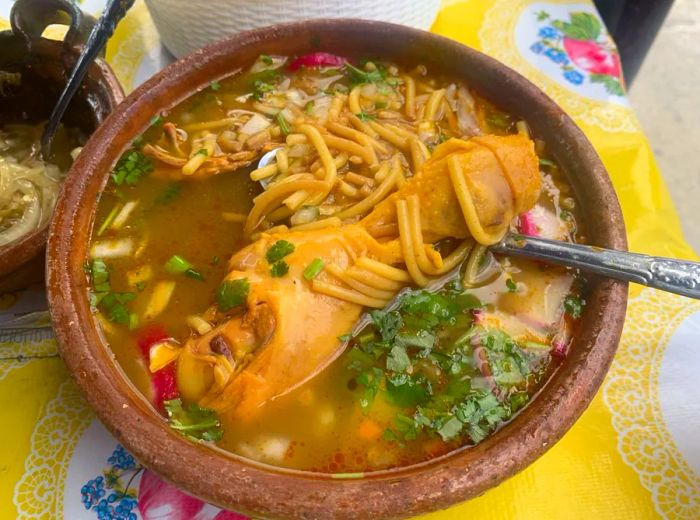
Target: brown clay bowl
(242, 485)
(44, 66)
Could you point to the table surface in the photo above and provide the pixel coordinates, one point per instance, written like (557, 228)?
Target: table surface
(633, 454)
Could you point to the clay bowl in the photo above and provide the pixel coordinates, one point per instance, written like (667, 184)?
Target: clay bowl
(242, 485)
(44, 66)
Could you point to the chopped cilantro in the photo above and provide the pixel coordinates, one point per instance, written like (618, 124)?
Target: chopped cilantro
(314, 268)
(267, 60)
(169, 193)
(279, 269)
(112, 304)
(193, 421)
(357, 76)
(573, 305)
(232, 293)
(156, 120)
(282, 122)
(398, 360)
(309, 107)
(512, 286)
(215, 85)
(279, 250)
(140, 286)
(131, 167)
(546, 162)
(202, 151)
(364, 116)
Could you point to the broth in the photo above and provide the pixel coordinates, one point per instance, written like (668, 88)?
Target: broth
(444, 369)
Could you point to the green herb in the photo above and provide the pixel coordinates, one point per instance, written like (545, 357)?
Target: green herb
(215, 85)
(583, 26)
(309, 107)
(140, 286)
(345, 337)
(133, 321)
(282, 122)
(512, 286)
(387, 323)
(202, 151)
(546, 163)
(108, 220)
(371, 380)
(232, 293)
(112, 304)
(357, 76)
(279, 269)
(131, 167)
(263, 83)
(169, 194)
(364, 116)
(398, 360)
(279, 250)
(498, 120)
(573, 305)
(266, 59)
(177, 265)
(194, 422)
(314, 268)
(215, 260)
(380, 104)
(566, 215)
(156, 120)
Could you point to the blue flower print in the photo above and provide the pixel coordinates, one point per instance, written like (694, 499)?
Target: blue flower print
(121, 459)
(548, 32)
(556, 55)
(574, 76)
(537, 48)
(109, 496)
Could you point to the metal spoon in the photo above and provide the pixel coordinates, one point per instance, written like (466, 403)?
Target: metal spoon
(112, 15)
(667, 274)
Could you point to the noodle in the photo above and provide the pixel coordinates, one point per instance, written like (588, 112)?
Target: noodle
(375, 197)
(407, 245)
(467, 204)
(349, 295)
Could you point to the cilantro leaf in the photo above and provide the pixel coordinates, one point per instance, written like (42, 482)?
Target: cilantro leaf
(131, 167)
(364, 116)
(279, 269)
(232, 293)
(193, 421)
(357, 76)
(387, 323)
(279, 250)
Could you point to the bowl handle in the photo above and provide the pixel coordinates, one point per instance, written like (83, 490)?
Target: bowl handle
(29, 19)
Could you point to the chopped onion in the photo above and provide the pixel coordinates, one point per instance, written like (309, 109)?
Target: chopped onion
(304, 215)
(124, 214)
(466, 116)
(116, 248)
(160, 297)
(268, 63)
(199, 324)
(299, 150)
(255, 124)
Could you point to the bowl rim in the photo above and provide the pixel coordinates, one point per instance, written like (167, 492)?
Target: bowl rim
(249, 487)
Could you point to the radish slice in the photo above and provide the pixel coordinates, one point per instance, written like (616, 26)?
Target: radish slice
(316, 60)
(163, 381)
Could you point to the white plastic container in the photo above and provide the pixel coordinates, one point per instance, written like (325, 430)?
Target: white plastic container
(187, 25)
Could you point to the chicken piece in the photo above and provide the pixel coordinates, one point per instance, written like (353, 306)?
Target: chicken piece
(502, 176)
(291, 330)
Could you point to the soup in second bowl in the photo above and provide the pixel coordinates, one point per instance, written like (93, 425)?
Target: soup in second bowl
(335, 309)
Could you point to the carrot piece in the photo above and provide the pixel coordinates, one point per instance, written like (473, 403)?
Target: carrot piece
(369, 430)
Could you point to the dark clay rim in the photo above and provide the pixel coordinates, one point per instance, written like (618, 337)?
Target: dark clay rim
(27, 247)
(233, 482)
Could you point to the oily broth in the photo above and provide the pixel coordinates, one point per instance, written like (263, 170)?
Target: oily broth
(314, 426)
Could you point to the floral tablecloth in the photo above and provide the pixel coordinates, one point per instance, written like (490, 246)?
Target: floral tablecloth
(634, 454)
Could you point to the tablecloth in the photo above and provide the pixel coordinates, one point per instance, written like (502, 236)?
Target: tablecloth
(634, 454)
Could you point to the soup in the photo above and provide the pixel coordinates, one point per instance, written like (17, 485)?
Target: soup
(335, 309)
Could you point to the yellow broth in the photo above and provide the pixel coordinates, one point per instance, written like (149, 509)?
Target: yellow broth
(322, 425)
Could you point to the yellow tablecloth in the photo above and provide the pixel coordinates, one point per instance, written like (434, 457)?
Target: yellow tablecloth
(634, 454)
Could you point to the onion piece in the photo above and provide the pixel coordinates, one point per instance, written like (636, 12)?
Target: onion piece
(116, 248)
(124, 214)
(162, 354)
(160, 297)
(268, 63)
(255, 124)
(304, 215)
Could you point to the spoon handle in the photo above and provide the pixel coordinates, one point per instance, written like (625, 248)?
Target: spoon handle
(103, 30)
(667, 274)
